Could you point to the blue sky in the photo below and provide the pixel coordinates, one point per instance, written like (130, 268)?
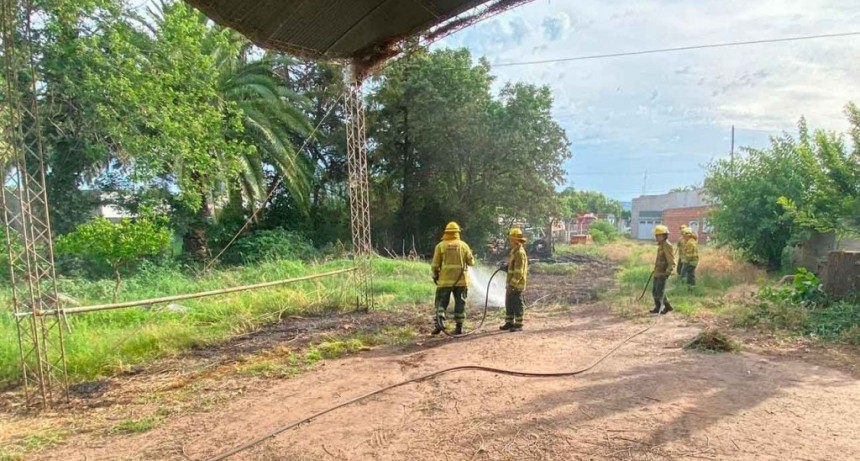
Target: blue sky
(670, 114)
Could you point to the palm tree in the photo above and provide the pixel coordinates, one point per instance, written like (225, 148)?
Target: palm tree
(273, 122)
(272, 119)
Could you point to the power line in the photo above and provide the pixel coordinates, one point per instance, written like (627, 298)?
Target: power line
(680, 48)
(630, 173)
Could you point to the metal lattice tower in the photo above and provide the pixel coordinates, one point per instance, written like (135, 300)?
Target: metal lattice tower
(359, 190)
(25, 213)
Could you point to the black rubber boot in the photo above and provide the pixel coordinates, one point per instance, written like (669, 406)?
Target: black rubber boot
(656, 309)
(440, 325)
(666, 307)
(517, 327)
(458, 330)
(506, 326)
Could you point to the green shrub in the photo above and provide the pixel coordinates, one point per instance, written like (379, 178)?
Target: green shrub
(806, 291)
(266, 245)
(118, 246)
(776, 316)
(610, 234)
(598, 236)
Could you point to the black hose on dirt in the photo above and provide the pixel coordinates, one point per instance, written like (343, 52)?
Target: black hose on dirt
(521, 374)
(483, 316)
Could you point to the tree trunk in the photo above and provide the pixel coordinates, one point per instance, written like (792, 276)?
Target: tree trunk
(196, 240)
(117, 284)
(549, 237)
(407, 213)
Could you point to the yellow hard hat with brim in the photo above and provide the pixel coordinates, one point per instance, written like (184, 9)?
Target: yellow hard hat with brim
(452, 227)
(661, 230)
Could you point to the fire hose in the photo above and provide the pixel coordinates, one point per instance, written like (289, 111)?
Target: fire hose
(520, 374)
(483, 315)
(644, 290)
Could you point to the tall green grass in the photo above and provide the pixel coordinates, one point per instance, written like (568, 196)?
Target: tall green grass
(566, 249)
(113, 341)
(718, 272)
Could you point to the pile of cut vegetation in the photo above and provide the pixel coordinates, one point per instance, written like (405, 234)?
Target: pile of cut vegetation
(712, 340)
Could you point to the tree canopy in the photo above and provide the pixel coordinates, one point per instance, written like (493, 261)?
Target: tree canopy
(771, 198)
(574, 202)
(447, 149)
(161, 109)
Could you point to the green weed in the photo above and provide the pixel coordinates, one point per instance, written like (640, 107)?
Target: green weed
(339, 348)
(270, 369)
(135, 426)
(19, 449)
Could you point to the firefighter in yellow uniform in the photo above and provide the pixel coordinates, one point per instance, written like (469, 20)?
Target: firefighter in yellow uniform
(517, 269)
(680, 249)
(663, 267)
(451, 260)
(691, 258)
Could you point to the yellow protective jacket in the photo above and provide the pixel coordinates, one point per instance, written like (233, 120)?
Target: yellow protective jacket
(682, 255)
(665, 263)
(518, 269)
(450, 260)
(691, 251)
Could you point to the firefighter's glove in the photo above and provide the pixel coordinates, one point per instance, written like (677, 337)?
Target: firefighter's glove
(435, 278)
(503, 266)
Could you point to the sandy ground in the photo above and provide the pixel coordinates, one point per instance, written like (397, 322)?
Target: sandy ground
(651, 400)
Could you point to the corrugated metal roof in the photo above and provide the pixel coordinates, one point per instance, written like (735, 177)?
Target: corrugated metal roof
(357, 29)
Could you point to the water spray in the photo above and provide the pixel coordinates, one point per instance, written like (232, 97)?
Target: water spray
(483, 314)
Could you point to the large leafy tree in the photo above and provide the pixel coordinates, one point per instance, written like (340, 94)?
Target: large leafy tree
(746, 194)
(779, 195)
(446, 149)
(202, 120)
(73, 55)
(327, 217)
(832, 203)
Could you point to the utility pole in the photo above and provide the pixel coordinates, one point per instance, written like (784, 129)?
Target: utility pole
(732, 151)
(645, 182)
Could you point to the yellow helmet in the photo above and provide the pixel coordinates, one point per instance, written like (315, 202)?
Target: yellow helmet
(661, 230)
(452, 227)
(684, 227)
(515, 233)
(688, 231)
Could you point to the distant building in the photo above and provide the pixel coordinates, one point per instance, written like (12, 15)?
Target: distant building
(673, 210)
(621, 224)
(110, 212)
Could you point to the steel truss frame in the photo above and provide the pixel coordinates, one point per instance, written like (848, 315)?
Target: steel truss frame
(359, 189)
(25, 214)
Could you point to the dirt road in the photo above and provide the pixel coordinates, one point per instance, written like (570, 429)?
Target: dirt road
(650, 400)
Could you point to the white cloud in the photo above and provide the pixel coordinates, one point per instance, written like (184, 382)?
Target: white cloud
(556, 26)
(623, 113)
